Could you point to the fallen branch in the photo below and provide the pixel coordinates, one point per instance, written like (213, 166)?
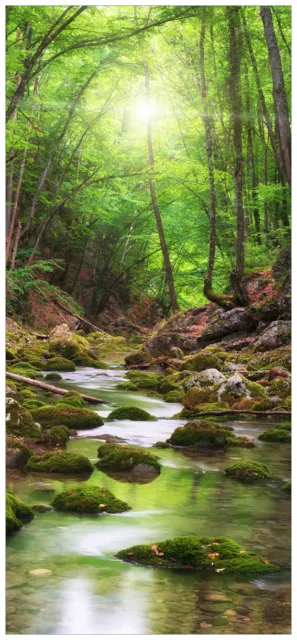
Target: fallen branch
(241, 411)
(50, 387)
(75, 315)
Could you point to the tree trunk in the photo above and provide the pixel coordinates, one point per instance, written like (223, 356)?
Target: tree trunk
(166, 258)
(236, 120)
(16, 244)
(50, 387)
(252, 162)
(279, 92)
(78, 272)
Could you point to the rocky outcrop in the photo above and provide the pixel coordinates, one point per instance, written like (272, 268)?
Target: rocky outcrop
(277, 334)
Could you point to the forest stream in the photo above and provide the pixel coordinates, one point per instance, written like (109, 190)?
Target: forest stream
(84, 588)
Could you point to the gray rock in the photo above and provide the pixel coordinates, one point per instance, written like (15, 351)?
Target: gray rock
(224, 323)
(277, 334)
(204, 378)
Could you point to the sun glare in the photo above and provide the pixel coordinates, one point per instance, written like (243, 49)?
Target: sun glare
(145, 110)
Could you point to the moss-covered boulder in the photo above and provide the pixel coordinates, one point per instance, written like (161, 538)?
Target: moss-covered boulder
(17, 454)
(206, 378)
(71, 417)
(130, 413)
(32, 404)
(73, 399)
(139, 357)
(116, 457)
(58, 435)
(244, 404)
(88, 500)
(126, 385)
(208, 407)
(161, 445)
(53, 376)
(200, 434)
(280, 434)
(59, 364)
(19, 421)
(238, 387)
(174, 396)
(281, 387)
(59, 462)
(41, 508)
(143, 379)
(287, 487)
(201, 361)
(197, 395)
(218, 555)
(17, 513)
(26, 370)
(249, 471)
(70, 345)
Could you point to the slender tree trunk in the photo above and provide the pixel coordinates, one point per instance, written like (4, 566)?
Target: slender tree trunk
(236, 120)
(80, 266)
(252, 161)
(278, 20)
(266, 115)
(16, 243)
(166, 258)
(15, 206)
(279, 91)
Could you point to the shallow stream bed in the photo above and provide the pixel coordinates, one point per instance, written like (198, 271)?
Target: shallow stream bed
(87, 590)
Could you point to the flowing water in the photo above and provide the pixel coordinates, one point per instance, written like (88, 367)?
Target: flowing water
(87, 590)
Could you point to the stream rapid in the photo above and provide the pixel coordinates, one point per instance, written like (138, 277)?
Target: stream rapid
(86, 590)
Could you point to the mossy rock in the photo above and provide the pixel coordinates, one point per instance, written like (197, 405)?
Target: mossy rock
(166, 387)
(211, 406)
(219, 554)
(200, 434)
(11, 354)
(41, 508)
(127, 386)
(244, 404)
(71, 417)
(57, 435)
(249, 471)
(130, 413)
(33, 404)
(264, 405)
(70, 345)
(17, 454)
(58, 462)
(19, 421)
(88, 500)
(174, 396)
(115, 457)
(287, 487)
(280, 434)
(144, 380)
(72, 399)
(161, 445)
(201, 361)
(22, 365)
(281, 387)
(59, 364)
(139, 357)
(17, 513)
(240, 441)
(269, 359)
(53, 376)
(27, 373)
(196, 396)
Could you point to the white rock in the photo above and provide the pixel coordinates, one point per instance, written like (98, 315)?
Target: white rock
(40, 572)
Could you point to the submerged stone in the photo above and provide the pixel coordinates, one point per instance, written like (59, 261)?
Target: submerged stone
(59, 462)
(130, 413)
(71, 417)
(88, 500)
(219, 555)
(249, 471)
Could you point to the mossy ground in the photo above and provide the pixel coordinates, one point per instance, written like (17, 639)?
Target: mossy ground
(17, 513)
(88, 500)
(207, 554)
(114, 457)
(71, 417)
(130, 413)
(60, 463)
(249, 471)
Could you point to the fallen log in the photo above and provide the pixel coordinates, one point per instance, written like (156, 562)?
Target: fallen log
(75, 315)
(50, 387)
(234, 411)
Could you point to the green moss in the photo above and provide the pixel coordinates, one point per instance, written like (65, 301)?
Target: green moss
(212, 406)
(255, 390)
(196, 396)
(174, 396)
(144, 380)
(22, 365)
(53, 376)
(287, 487)
(57, 435)
(19, 421)
(69, 346)
(72, 399)
(11, 354)
(26, 372)
(115, 457)
(58, 462)
(21, 453)
(88, 500)
(166, 387)
(199, 434)
(41, 508)
(281, 387)
(201, 361)
(17, 513)
(33, 404)
(71, 417)
(249, 470)
(59, 364)
(240, 441)
(161, 445)
(127, 386)
(130, 413)
(280, 434)
(189, 552)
